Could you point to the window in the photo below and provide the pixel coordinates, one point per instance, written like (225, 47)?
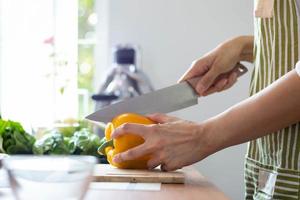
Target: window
(87, 21)
(47, 59)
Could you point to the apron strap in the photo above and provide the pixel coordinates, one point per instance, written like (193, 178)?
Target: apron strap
(264, 8)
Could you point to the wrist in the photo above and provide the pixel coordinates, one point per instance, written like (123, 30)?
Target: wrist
(221, 131)
(241, 47)
(213, 135)
(246, 45)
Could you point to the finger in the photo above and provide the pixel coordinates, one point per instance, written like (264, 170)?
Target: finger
(207, 81)
(217, 87)
(221, 84)
(166, 168)
(169, 167)
(231, 81)
(197, 68)
(163, 167)
(229, 85)
(132, 154)
(137, 129)
(162, 118)
(154, 162)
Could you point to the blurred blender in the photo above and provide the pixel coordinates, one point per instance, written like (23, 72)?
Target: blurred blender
(125, 79)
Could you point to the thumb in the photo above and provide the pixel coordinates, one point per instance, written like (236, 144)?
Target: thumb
(207, 80)
(197, 68)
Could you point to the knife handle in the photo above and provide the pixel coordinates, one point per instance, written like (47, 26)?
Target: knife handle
(240, 69)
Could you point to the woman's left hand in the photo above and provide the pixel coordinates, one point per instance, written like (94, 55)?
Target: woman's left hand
(172, 143)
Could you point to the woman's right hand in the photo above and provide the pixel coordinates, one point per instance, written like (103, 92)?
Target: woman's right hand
(219, 61)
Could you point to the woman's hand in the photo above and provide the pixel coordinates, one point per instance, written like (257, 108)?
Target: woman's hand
(172, 143)
(219, 61)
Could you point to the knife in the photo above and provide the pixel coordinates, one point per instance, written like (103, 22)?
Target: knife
(172, 98)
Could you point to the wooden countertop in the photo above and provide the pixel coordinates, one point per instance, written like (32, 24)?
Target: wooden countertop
(195, 187)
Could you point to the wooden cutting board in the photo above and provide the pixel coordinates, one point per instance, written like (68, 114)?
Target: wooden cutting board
(108, 173)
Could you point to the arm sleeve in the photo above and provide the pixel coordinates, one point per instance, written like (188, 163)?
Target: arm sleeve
(298, 68)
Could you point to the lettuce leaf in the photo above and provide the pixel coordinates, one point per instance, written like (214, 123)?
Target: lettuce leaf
(14, 139)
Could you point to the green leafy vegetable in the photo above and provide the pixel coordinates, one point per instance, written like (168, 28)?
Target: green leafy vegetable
(73, 140)
(14, 139)
(69, 126)
(85, 142)
(52, 143)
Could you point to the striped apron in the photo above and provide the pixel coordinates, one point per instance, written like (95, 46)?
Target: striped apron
(272, 165)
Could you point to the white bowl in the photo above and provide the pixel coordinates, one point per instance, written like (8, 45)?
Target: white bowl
(49, 177)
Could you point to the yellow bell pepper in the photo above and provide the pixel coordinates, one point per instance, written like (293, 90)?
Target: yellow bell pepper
(123, 143)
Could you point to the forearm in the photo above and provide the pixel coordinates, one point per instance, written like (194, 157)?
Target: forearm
(270, 110)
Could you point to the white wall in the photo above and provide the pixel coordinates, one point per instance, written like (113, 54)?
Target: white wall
(172, 33)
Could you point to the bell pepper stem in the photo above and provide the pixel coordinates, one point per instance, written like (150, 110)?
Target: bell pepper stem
(101, 149)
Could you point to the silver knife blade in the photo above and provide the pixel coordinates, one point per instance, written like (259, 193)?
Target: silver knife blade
(165, 100)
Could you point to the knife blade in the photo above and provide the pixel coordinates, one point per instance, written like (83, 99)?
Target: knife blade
(172, 98)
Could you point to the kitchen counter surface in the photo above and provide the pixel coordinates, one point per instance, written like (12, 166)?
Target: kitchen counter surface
(195, 187)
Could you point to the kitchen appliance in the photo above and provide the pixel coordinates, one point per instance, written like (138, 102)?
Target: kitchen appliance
(165, 100)
(124, 80)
